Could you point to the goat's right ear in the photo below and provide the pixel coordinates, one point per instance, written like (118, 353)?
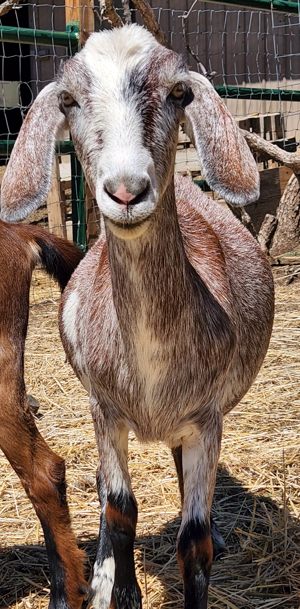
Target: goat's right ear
(27, 178)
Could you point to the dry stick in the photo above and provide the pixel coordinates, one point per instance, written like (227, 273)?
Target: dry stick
(150, 22)
(8, 5)
(184, 18)
(108, 12)
(257, 143)
(127, 11)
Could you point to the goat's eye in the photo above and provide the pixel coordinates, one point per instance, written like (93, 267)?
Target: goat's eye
(68, 100)
(178, 92)
(181, 95)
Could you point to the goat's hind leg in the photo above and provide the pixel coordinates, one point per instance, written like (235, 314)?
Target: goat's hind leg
(114, 582)
(200, 453)
(42, 474)
(219, 545)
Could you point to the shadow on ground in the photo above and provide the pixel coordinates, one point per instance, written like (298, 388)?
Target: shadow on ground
(261, 568)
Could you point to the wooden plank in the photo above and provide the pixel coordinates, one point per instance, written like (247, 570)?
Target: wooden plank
(72, 12)
(55, 205)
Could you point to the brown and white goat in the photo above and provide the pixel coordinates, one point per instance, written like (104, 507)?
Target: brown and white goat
(40, 470)
(168, 318)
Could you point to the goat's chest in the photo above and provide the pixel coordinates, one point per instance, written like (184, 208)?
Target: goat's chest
(156, 384)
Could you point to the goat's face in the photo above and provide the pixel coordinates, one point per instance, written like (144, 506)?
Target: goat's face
(123, 97)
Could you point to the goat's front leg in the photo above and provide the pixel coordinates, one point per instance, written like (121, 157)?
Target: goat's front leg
(114, 582)
(200, 453)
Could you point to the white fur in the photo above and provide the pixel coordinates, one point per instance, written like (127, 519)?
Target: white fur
(102, 583)
(70, 313)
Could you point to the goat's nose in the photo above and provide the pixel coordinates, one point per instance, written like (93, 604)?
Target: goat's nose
(137, 190)
(122, 194)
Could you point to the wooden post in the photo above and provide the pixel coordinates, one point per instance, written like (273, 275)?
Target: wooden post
(80, 14)
(55, 204)
(92, 214)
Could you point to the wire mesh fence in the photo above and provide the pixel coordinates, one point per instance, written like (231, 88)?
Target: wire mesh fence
(254, 55)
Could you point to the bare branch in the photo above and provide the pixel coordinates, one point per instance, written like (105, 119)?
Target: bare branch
(266, 232)
(257, 143)
(8, 5)
(108, 12)
(184, 18)
(150, 22)
(127, 12)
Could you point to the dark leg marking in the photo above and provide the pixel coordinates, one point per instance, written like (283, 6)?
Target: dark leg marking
(58, 598)
(121, 517)
(177, 456)
(195, 553)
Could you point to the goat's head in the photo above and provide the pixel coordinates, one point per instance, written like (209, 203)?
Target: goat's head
(123, 97)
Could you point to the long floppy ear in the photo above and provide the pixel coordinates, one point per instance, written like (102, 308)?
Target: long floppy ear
(225, 157)
(27, 178)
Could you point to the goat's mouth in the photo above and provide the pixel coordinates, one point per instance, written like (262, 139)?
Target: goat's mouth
(128, 224)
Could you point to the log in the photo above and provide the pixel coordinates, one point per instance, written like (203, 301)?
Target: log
(287, 234)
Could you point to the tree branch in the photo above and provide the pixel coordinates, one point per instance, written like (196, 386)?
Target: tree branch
(108, 12)
(8, 5)
(127, 12)
(257, 143)
(150, 22)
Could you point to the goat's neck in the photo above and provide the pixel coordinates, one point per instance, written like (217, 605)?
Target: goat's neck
(149, 274)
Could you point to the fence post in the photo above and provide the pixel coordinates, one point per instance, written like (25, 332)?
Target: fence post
(55, 207)
(80, 16)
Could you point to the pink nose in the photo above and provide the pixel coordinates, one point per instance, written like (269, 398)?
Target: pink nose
(123, 195)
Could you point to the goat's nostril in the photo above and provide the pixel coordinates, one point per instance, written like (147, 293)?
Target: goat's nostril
(125, 197)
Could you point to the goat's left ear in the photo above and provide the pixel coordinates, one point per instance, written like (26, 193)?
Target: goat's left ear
(225, 157)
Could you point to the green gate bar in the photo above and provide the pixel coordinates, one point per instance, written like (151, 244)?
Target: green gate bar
(283, 6)
(69, 39)
(236, 92)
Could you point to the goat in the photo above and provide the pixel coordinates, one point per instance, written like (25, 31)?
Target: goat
(40, 470)
(167, 319)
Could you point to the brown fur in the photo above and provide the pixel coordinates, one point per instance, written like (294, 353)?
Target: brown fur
(40, 470)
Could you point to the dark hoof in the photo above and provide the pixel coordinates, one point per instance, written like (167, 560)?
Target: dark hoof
(218, 542)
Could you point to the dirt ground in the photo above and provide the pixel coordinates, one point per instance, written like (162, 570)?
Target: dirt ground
(257, 502)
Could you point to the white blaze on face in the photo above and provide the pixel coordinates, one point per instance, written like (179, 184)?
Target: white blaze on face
(122, 153)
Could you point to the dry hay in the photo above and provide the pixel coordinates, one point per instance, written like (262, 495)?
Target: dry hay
(258, 492)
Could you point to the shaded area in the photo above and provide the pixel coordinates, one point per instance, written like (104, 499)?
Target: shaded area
(261, 568)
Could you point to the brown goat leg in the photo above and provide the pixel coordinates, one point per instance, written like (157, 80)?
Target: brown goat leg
(42, 474)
